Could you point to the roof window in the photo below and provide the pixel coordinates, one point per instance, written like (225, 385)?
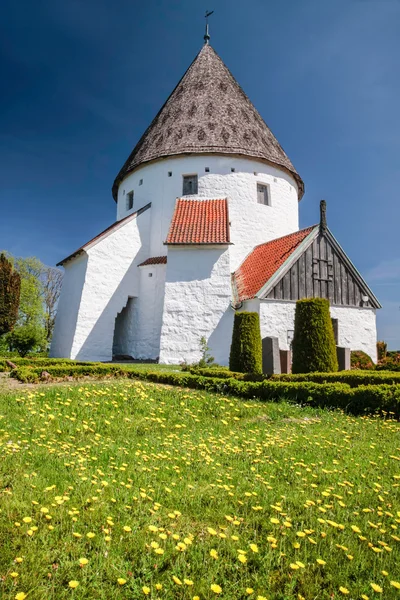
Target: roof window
(263, 194)
(129, 200)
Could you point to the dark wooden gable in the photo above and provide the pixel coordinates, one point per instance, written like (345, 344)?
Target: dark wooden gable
(322, 270)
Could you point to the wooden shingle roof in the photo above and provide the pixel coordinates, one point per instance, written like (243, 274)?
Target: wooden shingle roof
(208, 112)
(199, 222)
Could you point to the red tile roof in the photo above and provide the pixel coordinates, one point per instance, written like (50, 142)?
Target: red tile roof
(154, 260)
(263, 262)
(199, 222)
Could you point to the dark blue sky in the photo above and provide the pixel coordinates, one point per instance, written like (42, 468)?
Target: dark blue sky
(81, 80)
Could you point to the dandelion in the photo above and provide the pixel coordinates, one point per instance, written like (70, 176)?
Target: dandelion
(211, 531)
(261, 598)
(377, 588)
(274, 521)
(121, 581)
(19, 559)
(217, 589)
(21, 596)
(249, 591)
(176, 580)
(146, 590)
(14, 574)
(158, 586)
(188, 582)
(73, 584)
(294, 566)
(395, 584)
(242, 559)
(214, 554)
(344, 590)
(27, 520)
(127, 528)
(320, 561)
(83, 561)
(90, 535)
(254, 547)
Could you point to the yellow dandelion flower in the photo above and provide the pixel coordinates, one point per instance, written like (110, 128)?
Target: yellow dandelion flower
(73, 584)
(146, 590)
(121, 581)
(344, 590)
(214, 553)
(261, 598)
(14, 574)
(158, 586)
(90, 535)
(274, 521)
(395, 584)
(83, 561)
(377, 588)
(364, 597)
(385, 573)
(217, 589)
(27, 520)
(176, 580)
(153, 528)
(320, 561)
(242, 558)
(300, 534)
(21, 596)
(356, 529)
(127, 528)
(159, 551)
(211, 531)
(76, 534)
(249, 591)
(300, 564)
(254, 547)
(294, 566)
(19, 559)
(188, 582)
(296, 545)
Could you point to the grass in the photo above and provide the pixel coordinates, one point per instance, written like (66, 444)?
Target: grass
(169, 493)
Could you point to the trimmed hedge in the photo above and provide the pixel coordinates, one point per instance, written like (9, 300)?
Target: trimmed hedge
(364, 399)
(246, 349)
(41, 361)
(314, 347)
(352, 378)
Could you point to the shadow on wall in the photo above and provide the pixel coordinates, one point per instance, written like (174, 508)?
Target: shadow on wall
(99, 342)
(220, 340)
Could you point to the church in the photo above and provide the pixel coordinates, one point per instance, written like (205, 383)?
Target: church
(207, 224)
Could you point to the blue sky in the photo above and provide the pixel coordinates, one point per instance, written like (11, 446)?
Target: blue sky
(82, 80)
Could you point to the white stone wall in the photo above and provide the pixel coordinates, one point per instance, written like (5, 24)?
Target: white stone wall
(196, 304)
(150, 312)
(251, 223)
(68, 307)
(357, 326)
(111, 277)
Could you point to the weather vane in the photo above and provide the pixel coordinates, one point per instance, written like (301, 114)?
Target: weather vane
(207, 35)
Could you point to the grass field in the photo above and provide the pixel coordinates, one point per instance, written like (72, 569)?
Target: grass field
(129, 490)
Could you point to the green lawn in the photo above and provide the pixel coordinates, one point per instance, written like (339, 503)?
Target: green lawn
(168, 493)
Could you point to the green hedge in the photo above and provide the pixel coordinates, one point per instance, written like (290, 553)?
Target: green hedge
(246, 350)
(352, 378)
(364, 399)
(41, 361)
(314, 347)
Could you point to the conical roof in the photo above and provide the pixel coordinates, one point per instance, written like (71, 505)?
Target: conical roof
(208, 112)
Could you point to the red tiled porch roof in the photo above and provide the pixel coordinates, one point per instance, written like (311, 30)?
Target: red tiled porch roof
(263, 262)
(154, 260)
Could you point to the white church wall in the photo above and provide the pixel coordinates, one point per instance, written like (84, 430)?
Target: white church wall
(357, 326)
(111, 278)
(196, 304)
(251, 223)
(150, 312)
(68, 307)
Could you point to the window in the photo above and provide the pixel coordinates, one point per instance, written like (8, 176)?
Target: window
(169, 173)
(140, 181)
(129, 200)
(207, 169)
(189, 185)
(233, 169)
(262, 194)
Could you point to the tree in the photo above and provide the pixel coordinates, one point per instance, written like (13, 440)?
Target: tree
(10, 288)
(31, 308)
(314, 347)
(52, 281)
(246, 348)
(26, 338)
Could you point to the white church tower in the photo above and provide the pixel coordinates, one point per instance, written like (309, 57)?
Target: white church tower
(206, 184)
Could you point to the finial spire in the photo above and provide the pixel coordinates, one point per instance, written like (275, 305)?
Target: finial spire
(207, 35)
(322, 222)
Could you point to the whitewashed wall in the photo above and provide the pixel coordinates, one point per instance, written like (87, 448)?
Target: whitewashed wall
(150, 312)
(197, 303)
(111, 277)
(357, 326)
(251, 223)
(68, 307)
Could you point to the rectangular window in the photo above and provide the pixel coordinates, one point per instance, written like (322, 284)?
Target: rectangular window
(129, 200)
(189, 185)
(262, 194)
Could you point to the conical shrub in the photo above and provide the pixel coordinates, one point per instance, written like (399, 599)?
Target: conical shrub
(246, 347)
(314, 347)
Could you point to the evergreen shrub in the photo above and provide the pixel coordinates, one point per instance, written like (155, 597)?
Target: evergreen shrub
(246, 349)
(314, 347)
